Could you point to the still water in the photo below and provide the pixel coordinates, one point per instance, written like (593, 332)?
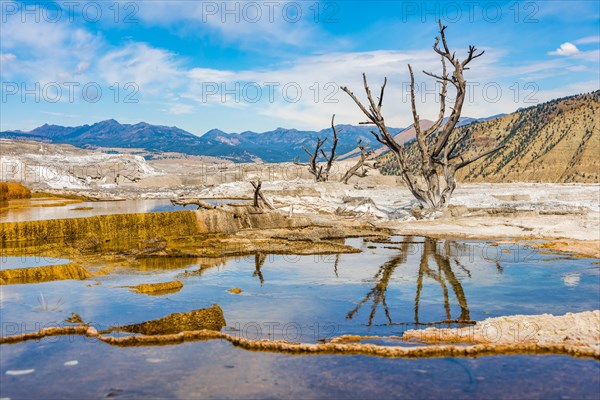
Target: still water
(49, 208)
(29, 262)
(386, 289)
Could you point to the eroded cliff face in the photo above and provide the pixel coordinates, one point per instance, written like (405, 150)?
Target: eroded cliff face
(147, 226)
(107, 227)
(98, 244)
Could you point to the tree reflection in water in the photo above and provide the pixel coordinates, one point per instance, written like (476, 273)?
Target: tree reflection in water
(259, 261)
(444, 254)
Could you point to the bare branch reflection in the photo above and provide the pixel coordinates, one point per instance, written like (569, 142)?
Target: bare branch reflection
(436, 261)
(383, 275)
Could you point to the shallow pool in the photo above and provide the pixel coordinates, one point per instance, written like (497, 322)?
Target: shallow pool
(411, 282)
(52, 208)
(29, 262)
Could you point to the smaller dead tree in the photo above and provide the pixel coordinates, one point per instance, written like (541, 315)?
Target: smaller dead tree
(260, 200)
(360, 169)
(321, 170)
(195, 202)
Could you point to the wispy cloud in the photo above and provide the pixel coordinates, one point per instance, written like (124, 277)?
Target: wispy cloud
(153, 70)
(46, 52)
(179, 109)
(61, 115)
(5, 58)
(587, 40)
(300, 86)
(254, 26)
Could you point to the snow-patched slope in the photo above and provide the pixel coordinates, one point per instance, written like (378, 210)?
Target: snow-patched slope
(65, 167)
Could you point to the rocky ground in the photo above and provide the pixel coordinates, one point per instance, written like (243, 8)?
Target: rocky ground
(567, 213)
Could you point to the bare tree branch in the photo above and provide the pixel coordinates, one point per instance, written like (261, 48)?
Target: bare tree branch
(431, 180)
(478, 156)
(354, 170)
(195, 202)
(321, 172)
(259, 195)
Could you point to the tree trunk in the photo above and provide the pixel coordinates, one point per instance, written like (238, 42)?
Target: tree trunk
(432, 180)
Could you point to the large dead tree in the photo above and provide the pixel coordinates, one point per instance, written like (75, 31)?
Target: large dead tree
(440, 153)
(318, 169)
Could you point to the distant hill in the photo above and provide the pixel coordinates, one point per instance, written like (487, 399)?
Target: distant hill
(557, 141)
(279, 145)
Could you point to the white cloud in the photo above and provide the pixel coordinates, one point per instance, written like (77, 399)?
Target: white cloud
(588, 40)
(591, 56)
(62, 115)
(169, 87)
(47, 52)
(566, 49)
(319, 78)
(568, 90)
(5, 58)
(82, 67)
(256, 26)
(153, 70)
(306, 91)
(179, 109)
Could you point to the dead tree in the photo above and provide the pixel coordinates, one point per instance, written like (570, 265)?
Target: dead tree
(260, 201)
(440, 153)
(195, 202)
(319, 170)
(360, 169)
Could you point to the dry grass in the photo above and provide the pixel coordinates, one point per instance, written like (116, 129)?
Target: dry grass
(10, 191)
(68, 196)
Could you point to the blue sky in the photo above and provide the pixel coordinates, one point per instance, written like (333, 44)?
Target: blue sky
(259, 65)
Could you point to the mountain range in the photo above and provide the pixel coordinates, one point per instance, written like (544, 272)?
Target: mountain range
(556, 141)
(279, 145)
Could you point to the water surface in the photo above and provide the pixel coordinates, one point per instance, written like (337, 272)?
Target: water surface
(386, 289)
(29, 262)
(215, 369)
(49, 208)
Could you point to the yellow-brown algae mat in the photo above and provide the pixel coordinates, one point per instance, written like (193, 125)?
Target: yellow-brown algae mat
(576, 334)
(157, 288)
